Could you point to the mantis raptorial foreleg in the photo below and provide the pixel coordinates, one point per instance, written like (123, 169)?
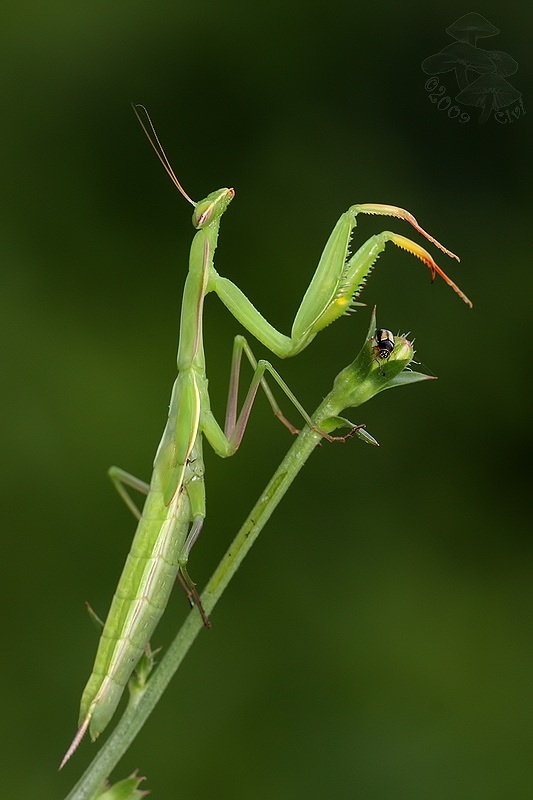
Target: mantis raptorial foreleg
(337, 281)
(174, 510)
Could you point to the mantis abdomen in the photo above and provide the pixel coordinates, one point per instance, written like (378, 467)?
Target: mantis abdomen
(141, 596)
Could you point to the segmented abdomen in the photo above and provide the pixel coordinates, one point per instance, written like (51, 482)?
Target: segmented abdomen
(140, 599)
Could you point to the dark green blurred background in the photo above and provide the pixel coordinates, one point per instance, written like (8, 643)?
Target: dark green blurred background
(379, 641)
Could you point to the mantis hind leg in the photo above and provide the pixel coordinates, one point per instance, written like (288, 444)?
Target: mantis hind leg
(240, 346)
(235, 426)
(187, 584)
(194, 488)
(121, 479)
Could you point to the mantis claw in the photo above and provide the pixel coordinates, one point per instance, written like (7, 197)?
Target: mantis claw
(418, 251)
(401, 213)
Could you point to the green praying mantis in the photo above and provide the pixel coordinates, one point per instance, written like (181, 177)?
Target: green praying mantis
(174, 509)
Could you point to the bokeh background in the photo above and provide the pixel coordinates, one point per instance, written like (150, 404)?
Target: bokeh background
(378, 643)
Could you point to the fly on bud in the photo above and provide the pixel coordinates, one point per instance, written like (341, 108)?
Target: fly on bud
(384, 343)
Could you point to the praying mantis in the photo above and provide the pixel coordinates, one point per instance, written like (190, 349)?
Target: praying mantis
(175, 508)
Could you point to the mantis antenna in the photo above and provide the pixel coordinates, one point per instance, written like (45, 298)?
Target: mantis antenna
(153, 138)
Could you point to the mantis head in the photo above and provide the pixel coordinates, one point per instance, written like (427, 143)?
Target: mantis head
(212, 208)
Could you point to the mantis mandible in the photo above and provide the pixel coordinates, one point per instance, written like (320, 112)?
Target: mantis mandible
(174, 509)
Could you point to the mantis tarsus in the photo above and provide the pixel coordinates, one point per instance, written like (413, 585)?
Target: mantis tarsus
(174, 509)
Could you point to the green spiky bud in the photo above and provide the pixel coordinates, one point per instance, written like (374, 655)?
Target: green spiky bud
(382, 363)
(126, 789)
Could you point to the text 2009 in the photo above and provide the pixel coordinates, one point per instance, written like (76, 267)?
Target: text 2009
(437, 95)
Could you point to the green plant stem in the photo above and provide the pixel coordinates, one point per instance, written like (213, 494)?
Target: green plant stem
(353, 386)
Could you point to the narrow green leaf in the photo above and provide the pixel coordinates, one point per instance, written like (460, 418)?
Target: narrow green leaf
(407, 377)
